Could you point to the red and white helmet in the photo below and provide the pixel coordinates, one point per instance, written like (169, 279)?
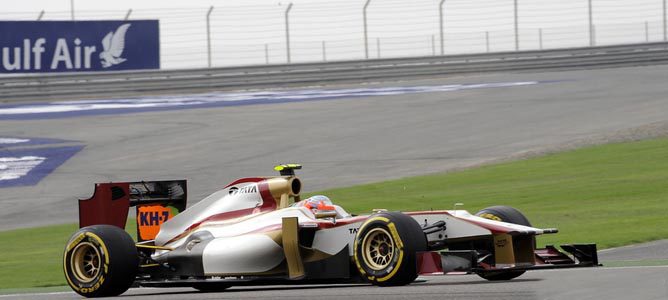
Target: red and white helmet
(317, 202)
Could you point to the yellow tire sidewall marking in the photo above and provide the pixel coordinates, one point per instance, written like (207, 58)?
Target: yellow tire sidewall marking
(383, 219)
(67, 252)
(490, 216)
(400, 247)
(359, 267)
(71, 245)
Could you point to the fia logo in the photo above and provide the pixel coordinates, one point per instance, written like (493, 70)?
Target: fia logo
(113, 45)
(244, 190)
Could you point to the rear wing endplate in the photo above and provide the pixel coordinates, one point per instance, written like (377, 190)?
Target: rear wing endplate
(156, 202)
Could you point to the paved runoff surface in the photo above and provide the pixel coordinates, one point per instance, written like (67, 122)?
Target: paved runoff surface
(343, 135)
(52, 153)
(647, 283)
(609, 283)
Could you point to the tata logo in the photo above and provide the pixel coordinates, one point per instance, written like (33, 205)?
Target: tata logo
(353, 230)
(75, 54)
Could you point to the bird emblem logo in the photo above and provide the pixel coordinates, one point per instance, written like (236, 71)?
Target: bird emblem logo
(113, 45)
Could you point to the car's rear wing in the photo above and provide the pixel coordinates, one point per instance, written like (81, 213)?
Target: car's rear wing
(156, 202)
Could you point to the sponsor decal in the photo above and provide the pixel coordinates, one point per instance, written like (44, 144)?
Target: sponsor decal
(353, 230)
(150, 218)
(113, 44)
(67, 46)
(95, 287)
(244, 190)
(65, 109)
(501, 243)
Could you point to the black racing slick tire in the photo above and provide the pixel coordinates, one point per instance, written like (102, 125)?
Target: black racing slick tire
(100, 261)
(385, 249)
(505, 214)
(509, 215)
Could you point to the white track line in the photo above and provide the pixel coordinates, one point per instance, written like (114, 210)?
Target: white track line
(35, 294)
(71, 292)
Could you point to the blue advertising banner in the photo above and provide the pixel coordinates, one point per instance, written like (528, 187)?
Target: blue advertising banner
(78, 46)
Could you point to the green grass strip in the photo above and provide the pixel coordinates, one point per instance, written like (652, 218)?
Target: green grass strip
(33, 257)
(612, 195)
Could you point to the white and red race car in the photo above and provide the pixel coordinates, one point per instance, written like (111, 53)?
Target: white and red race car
(258, 231)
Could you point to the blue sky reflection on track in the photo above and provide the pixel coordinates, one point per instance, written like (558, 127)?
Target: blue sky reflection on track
(68, 109)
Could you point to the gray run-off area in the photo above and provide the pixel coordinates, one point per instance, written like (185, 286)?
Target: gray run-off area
(647, 283)
(357, 140)
(341, 142)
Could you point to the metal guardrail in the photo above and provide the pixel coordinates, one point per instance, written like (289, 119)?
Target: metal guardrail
(77, 85)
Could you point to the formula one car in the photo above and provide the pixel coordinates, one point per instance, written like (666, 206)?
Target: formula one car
(258, 231)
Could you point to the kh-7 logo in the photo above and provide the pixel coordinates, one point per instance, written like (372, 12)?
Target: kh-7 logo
(151, 218)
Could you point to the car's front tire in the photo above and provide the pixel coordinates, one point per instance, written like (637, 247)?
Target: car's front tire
(385, 249)
(100, 261)
(509, 215)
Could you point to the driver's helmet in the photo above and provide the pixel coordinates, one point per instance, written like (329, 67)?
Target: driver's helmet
(317, 202)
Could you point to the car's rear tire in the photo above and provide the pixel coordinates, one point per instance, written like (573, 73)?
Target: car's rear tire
(100, 261)
(385, 248)
(509, 215)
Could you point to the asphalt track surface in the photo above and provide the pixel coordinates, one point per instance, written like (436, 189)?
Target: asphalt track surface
(647, 283)
(340, 142)
(354, 140)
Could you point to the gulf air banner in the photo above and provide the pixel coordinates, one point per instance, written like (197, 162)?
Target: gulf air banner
(78, 46)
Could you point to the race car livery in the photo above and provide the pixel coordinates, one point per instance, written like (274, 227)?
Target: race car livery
(258, 231)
